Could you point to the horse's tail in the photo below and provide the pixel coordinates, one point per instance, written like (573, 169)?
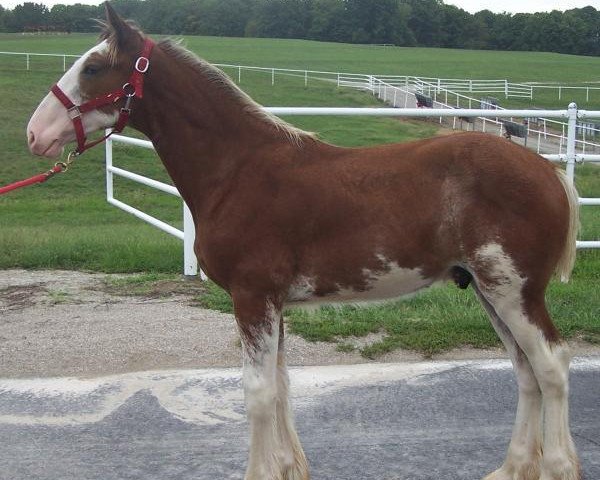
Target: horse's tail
(566, 262)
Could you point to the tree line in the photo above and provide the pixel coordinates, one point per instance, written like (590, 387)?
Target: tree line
(426, 23)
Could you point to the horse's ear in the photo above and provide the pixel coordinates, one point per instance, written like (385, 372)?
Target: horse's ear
(118, 28)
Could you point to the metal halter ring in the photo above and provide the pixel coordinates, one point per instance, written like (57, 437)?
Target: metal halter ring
(129, 90)
(67, 163)
(145, 63)
(63, 165)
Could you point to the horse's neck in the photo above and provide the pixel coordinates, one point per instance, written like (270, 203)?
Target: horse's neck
(198, 128)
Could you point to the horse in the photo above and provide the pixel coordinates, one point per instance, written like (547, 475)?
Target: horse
(284, 218)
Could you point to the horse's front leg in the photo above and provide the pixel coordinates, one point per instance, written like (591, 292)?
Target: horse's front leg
(275, 451)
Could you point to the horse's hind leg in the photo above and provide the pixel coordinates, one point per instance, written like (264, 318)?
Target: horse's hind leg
(296, 464)
(525, 449)
(519, 304)
(275, 451)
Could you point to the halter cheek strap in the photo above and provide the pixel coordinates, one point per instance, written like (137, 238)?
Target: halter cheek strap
(133, 88)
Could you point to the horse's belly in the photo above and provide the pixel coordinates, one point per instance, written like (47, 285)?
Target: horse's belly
(396, 282)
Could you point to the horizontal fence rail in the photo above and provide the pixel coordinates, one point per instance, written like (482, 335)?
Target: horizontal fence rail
(187, 235)
(548, 133)
(502, 86)
(570, 158)
(445, 92)
(29, 56)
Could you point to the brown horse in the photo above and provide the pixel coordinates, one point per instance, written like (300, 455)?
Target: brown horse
(284, 218)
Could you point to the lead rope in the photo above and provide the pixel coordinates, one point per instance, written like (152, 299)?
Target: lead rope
(59, 167)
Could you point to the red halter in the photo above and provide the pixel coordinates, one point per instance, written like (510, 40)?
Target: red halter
(133, 88)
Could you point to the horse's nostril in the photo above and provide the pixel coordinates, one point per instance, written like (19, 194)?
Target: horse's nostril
(31, 137)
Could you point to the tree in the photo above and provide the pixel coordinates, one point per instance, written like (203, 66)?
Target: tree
(427, 22)
(589, 35)
(75, 18)
(329, 21)
(171, 17)
(384, 21)
(283, 18)
(28, 14)
(3, 18)
(224, 18)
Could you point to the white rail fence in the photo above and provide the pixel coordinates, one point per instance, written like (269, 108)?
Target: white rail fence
(446, 93)
(187, 235)
(28, 57)
(549, 134)
(502, 86)
(571, 158)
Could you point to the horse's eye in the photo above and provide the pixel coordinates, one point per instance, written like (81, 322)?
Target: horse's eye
(91, 70)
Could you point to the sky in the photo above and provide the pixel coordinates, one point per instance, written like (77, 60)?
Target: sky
(497, 6)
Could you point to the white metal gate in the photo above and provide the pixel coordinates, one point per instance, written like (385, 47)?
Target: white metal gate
(570, 158)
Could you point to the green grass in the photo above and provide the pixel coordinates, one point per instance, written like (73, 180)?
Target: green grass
(66, 223)
(438, 319)
(339, 57)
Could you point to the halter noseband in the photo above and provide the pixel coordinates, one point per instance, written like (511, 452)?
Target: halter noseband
(133, 88)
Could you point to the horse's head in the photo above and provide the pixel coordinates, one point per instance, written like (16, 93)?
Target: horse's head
(98, 83)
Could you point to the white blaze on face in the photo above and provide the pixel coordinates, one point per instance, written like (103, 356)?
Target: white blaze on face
(50, 127)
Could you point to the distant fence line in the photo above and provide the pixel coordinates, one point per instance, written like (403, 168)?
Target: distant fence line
(401, 91)
(444, 93)
(549, 135)
(501, 86)
(28, 57)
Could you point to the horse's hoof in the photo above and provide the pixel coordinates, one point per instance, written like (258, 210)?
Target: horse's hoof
(561, 469)
(528, 471)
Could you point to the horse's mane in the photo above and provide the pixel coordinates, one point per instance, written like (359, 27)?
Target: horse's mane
(221, 80)
(213, 74)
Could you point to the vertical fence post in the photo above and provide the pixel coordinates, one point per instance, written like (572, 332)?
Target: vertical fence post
(64, 63)
(27, 61)
(506, 88)
(306, 78)
(190, 263)
(239, 75)
(571, 138)
(272, 76)
(109, 163)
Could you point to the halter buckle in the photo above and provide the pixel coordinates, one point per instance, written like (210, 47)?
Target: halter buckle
(127, 106)
(74, 112)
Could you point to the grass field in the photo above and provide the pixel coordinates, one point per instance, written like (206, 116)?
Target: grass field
(66, 223)
(339, 57)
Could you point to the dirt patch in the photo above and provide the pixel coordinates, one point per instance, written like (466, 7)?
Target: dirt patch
(19, 297)
(57, 323)
(154, 289)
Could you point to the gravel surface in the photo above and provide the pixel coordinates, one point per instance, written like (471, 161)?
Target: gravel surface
(60, 323)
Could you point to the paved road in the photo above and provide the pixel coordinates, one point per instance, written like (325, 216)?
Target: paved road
(425, 421)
